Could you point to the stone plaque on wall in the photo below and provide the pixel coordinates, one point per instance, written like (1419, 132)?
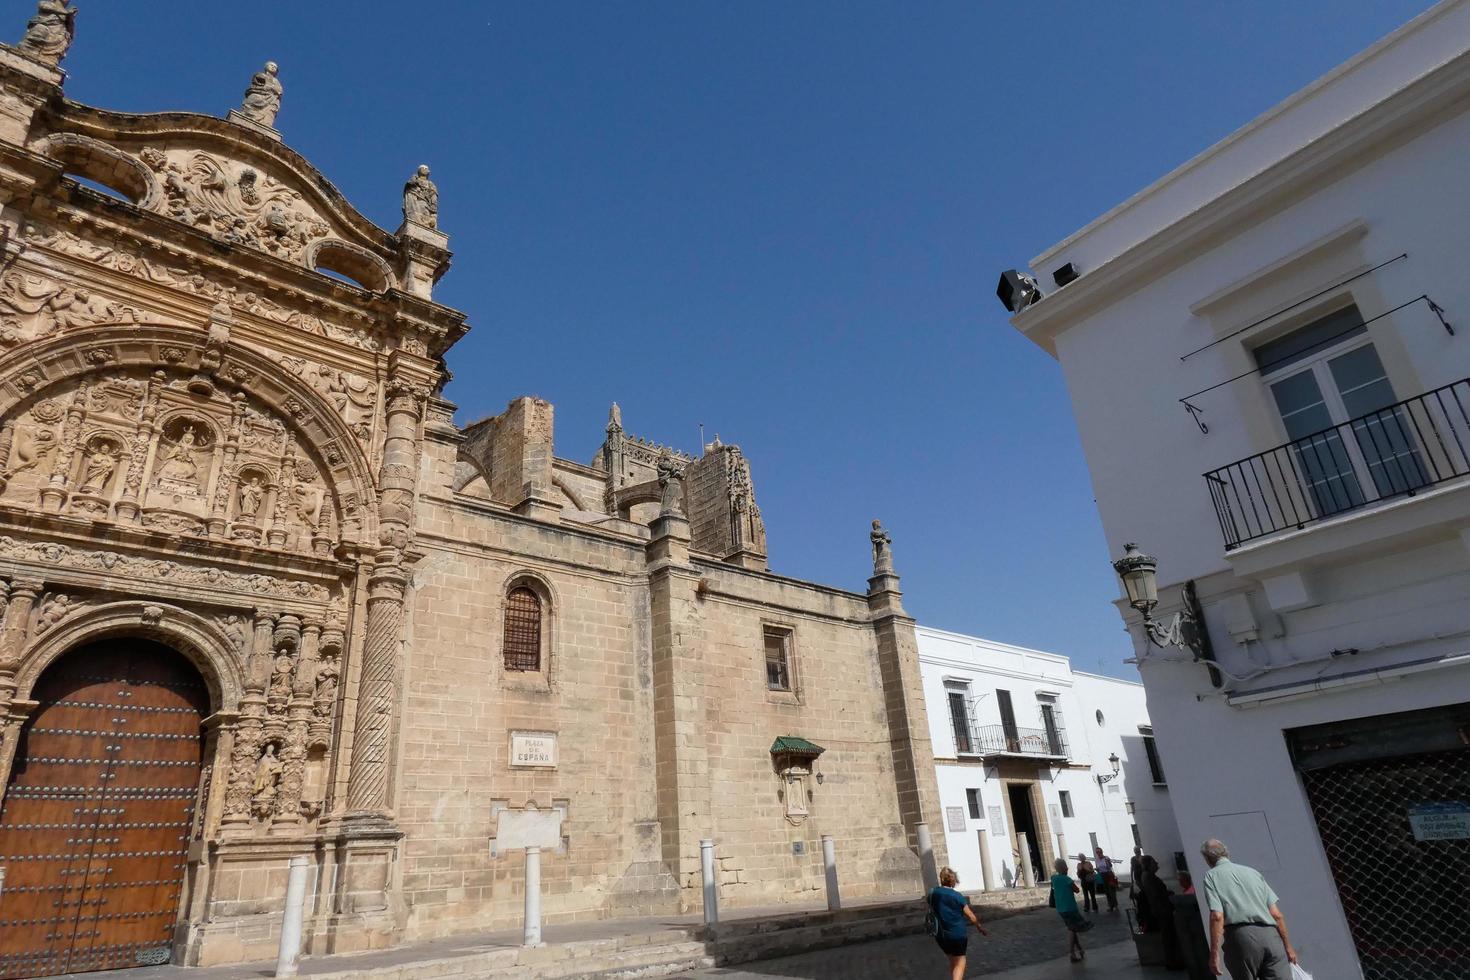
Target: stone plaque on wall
(955, 815)
(997, 820)
(533, 750)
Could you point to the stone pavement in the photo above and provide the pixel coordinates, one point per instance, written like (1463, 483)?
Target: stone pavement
(1030, 946)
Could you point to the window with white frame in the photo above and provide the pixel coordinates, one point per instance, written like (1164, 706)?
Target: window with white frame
(1052, 724)
(1065, 797)
(957, 695)
(1336, 403)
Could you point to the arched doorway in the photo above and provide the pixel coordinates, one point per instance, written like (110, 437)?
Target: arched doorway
(95, 826)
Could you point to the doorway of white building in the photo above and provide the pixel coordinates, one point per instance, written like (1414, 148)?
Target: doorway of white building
(1391, 798)
(1023, 821)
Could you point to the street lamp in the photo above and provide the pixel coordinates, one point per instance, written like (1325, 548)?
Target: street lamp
(1101, 779)
(1185, 631)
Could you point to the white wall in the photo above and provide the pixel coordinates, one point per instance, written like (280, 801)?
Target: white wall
(1102, 810)
(1389, 583)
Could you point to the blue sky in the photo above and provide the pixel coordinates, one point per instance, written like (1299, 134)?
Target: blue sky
(782, 220)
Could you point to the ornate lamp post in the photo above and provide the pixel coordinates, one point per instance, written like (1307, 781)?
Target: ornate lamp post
(1101, 779)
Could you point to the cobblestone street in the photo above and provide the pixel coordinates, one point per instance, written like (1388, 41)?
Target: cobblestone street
(1033, 939)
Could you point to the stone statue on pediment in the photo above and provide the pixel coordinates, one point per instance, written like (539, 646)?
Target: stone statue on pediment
(421, 199)
(263, 97)
(48, 35)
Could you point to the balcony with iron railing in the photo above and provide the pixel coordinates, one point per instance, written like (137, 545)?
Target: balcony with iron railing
(1395, 452)
(988, 740)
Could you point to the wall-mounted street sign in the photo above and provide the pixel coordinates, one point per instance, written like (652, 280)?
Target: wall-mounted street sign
(533, 750)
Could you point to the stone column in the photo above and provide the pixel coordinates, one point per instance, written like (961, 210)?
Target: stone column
(21, 600)
(249, 732)
(224, 483)
(54, 494)
(128, 505)
(293, 748)
(369, 778)
(903, 696)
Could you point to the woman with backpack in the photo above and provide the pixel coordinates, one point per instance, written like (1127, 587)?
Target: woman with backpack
(948, 920)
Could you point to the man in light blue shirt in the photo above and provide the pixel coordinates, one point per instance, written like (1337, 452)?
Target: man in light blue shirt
(1244, 920)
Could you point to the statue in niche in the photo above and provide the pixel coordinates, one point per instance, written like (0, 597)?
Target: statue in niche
(267, 781)
(281, 678)
(421, 199)
(48, 35)
(882, 548)
(252, 492)
(179, 463)
(326, 688)
(100, 466)
(671, 480)
(263, 97)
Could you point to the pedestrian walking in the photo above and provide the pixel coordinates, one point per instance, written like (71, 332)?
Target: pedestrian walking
(1087, 875)
(950, 917)
(1135, 874)
(1156, 911)
(1246, 926)
(1106, 879)
(1064, 896)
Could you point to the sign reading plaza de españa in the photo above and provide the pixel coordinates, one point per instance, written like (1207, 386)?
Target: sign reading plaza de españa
(1449, 820)
(534, 750)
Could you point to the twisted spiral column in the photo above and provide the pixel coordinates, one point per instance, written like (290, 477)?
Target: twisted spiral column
(367, 782)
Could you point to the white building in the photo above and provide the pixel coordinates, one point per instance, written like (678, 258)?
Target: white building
(1020, 740)
(1302, 289)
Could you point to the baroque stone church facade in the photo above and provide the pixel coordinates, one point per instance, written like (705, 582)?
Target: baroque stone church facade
(264, 599)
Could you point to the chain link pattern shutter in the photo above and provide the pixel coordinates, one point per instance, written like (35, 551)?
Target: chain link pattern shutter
(1402, 896)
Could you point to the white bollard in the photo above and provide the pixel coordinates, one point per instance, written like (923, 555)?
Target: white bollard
(532, 936)
(707, 872)
(926, 858)
(829, 863)
(288, 959)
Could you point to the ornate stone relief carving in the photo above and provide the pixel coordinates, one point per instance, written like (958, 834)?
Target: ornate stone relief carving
(267, 782)
(160, 570)
(358, 334)
(353, 397)
(154, 450)
(234, 202)
(33, 306)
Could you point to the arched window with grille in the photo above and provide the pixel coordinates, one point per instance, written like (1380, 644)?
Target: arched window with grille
(523, 629)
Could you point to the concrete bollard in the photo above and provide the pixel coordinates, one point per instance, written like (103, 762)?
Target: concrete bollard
(707, 873)
(987, 872)
(926, 858)
(532, 934)
(288, 958)
(829, 864)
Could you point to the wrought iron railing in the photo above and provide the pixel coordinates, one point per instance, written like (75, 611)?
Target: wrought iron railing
(1393, 452)
(990, 739)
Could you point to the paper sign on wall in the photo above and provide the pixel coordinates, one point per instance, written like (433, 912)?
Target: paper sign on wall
(955, 815)
(1447, 820)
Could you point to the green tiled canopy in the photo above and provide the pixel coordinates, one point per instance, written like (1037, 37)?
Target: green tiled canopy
(791, 745)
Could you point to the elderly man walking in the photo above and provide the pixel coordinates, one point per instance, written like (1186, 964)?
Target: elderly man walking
(1244, 920)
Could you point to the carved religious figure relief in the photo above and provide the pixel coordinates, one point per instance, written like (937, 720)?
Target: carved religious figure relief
(308, 504)
(263, 97)
(100, 465)
(325, 699)
(180, 463)
(49, 34)
(280, 689)
(31, 450)
(32, 306)
(252, 492)
(267, 782)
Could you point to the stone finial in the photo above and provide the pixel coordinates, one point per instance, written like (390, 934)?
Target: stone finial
(421, 199)
(49, 33)
(882, 550)
(263, 97)
(615, 418)
(671, 479)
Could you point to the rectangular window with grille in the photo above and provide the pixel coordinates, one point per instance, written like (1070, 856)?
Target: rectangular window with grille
(1155, 766)
(522, 639)
(1066, 799)
(972, 797)
(778, 659)
(958, 696)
